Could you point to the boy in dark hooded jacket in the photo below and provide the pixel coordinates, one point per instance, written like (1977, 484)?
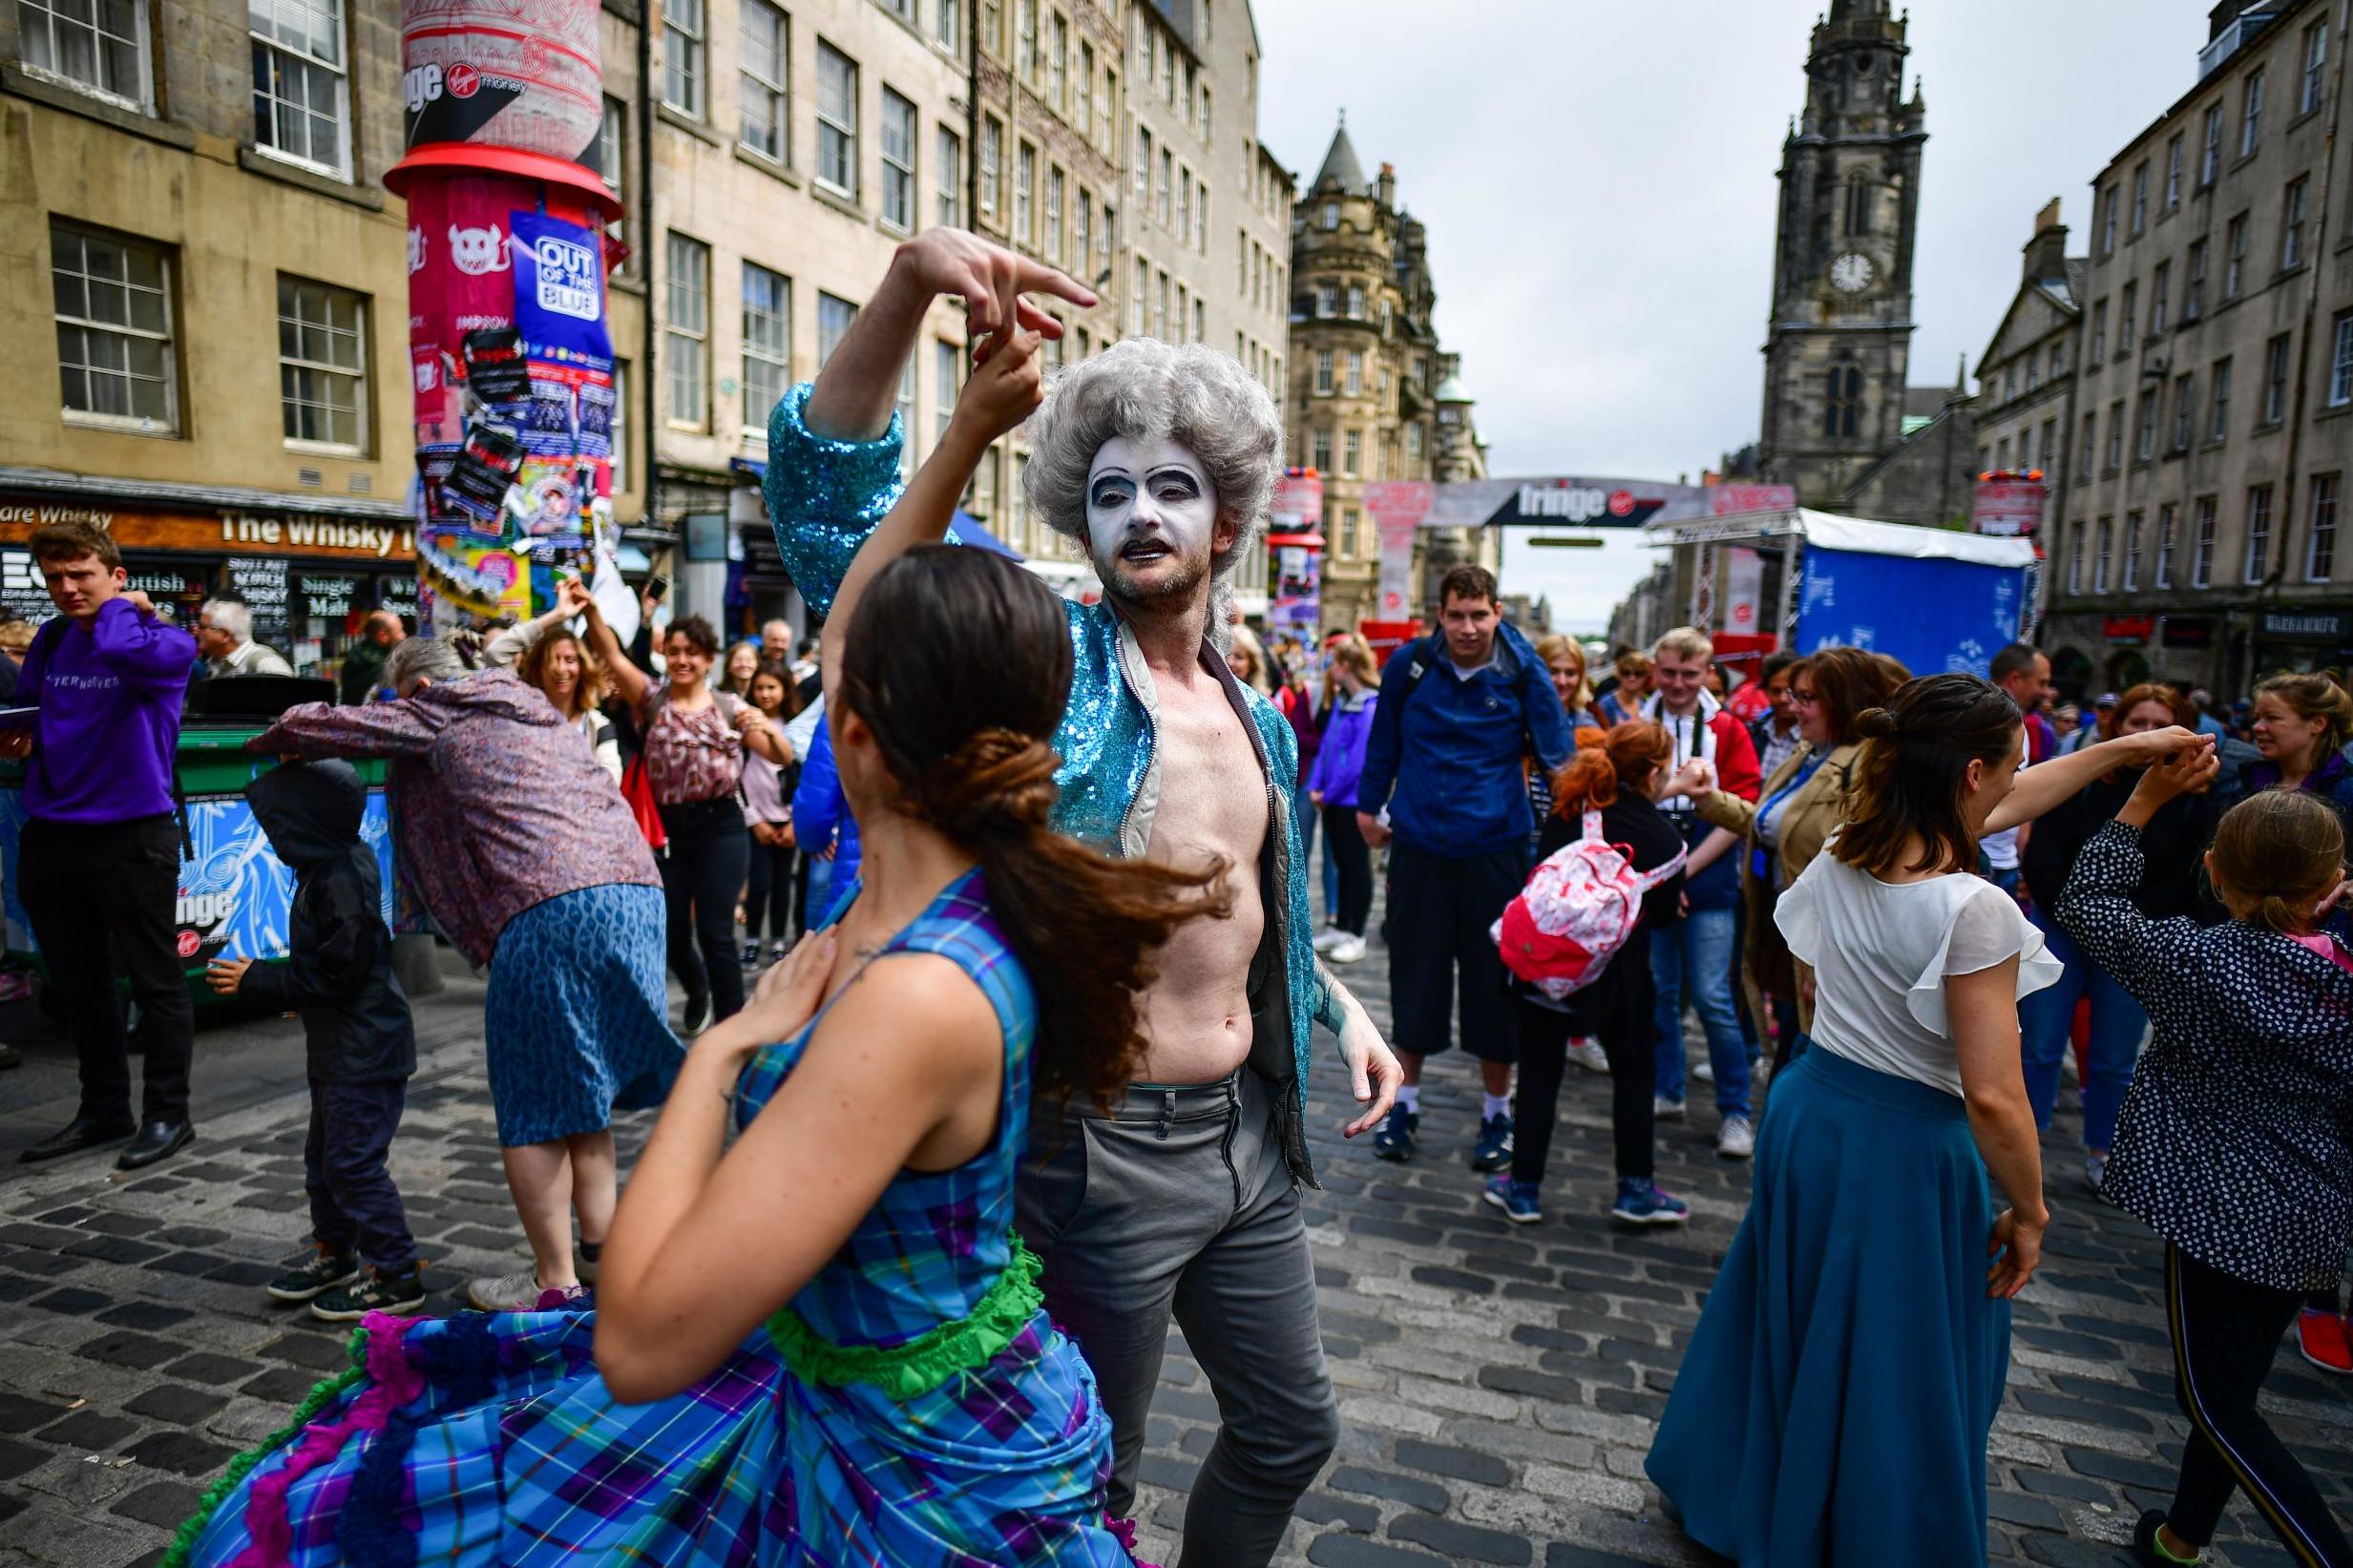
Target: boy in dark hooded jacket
(359, 1040)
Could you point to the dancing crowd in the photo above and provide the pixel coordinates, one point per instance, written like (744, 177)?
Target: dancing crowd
(1028, 891)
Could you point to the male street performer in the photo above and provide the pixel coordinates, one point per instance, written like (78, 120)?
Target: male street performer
(1185, 1196)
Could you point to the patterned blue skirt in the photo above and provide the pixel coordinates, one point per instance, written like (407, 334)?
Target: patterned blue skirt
(1837, 1394)
(577, 1023)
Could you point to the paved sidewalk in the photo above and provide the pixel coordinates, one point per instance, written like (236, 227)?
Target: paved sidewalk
(1499, 1385)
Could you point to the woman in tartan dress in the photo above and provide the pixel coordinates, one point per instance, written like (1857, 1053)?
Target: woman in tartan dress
(822, 1345)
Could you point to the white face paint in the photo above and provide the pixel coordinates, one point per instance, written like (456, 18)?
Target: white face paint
(1151, 518)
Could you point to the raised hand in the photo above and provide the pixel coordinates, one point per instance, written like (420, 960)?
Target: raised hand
(991, 280)
(2156, 745)
(2185, 772)
(1004, 388)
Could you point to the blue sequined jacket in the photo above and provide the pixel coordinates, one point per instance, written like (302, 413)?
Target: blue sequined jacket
(825, 497)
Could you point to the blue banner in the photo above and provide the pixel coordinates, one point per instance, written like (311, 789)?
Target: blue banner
(235, 896)
(1938, 616)
(560, 291)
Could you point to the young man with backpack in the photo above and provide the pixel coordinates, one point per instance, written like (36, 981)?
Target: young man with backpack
(1458, 711)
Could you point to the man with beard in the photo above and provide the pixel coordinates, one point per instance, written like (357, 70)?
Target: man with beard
(1183, 1197)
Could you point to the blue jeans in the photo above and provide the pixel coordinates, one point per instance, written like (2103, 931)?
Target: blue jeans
(1700, 949)
(2044, 1019)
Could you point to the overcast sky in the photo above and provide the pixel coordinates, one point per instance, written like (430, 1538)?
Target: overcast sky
(1598, 183)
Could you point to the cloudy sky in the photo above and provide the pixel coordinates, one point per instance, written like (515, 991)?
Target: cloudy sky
(1598, 182)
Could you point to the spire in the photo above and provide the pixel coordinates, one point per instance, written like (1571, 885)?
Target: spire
(1340, 165)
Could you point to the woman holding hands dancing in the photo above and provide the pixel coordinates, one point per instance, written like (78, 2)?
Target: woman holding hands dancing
(1836, 1397)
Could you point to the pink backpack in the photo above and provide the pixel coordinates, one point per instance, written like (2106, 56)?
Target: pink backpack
(1577, 911)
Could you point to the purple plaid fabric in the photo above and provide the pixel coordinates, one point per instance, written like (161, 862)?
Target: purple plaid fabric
(515, 1454)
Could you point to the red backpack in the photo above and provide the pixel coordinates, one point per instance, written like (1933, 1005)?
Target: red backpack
(1579, 907)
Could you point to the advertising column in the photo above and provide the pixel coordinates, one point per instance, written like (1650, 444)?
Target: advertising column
(511, 358)
(1295, 518)
(1397, 507)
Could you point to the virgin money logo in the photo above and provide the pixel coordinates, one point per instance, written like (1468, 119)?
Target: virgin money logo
(462, 80)
(1621, 503)
(190, 944)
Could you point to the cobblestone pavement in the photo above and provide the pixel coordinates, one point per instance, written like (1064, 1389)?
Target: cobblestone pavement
(1499, 1385)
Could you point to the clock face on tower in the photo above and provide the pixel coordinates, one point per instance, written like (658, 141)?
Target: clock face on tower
(1851, 273)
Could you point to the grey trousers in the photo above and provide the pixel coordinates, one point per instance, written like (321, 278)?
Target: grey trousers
(1179, 1202)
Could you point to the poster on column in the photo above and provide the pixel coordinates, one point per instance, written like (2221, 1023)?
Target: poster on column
(1397, 507)
(1298, 591)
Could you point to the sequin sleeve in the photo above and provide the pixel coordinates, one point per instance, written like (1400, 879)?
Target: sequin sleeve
(824, 496)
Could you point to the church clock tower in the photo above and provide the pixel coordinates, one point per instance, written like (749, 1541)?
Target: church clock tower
(1839, 340)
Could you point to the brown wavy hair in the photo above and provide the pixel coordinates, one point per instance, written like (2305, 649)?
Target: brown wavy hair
(1623, 757)
(587, 692)
(2315, 695)
(960, 663)
(1908, 783)
(2284, 850)
(1849, 682)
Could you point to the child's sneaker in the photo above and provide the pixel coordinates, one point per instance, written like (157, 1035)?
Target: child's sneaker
(1642, 1204)
(376, 1293)
(1516, 1199)
(2321, 1337)
(321, 1271)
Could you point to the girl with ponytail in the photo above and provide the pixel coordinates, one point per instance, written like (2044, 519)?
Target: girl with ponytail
(2235, 1143)
(1619, 772)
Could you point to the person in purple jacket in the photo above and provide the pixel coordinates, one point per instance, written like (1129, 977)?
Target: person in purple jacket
(99, 862)
(1331, 785)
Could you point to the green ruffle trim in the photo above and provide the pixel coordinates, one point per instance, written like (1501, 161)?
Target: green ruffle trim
(322, 1394)
(914, 1369)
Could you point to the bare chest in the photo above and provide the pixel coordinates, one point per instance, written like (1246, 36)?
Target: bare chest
(1213, 796)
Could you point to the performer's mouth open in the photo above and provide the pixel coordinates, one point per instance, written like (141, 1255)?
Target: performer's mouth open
(1145, 552)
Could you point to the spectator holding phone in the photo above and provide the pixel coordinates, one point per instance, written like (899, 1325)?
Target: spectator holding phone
(98, 864)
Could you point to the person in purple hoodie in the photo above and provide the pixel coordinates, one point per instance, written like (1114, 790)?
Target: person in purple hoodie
(1331, 785)
(98, 861)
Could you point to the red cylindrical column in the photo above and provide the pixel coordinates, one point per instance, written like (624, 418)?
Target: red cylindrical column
(510, 354)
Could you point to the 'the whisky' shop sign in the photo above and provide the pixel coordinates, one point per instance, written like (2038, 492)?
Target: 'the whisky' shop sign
(245, 532)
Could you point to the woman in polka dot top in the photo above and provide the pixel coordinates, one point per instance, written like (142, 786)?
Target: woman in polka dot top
(2235, 1144)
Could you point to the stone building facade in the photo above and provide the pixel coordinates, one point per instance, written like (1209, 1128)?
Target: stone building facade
(207, 305)
(2025, 400)
(2197, 532)
(1366, 374)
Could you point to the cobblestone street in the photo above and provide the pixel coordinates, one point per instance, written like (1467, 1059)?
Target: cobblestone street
(1498, 1386)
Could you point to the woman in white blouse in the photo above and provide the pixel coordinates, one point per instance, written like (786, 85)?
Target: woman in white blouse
(1836, 1400)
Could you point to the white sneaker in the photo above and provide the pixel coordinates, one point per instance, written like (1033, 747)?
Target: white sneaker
(1736, 1139)
(1703, 1070)
(517, 1293)
(1663, 1109)
(1588, 1054)
(2095, 1171)
(1348, 950)
(1330, 937)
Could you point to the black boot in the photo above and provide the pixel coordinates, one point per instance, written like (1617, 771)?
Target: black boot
(83, 1131)
(156, 1141)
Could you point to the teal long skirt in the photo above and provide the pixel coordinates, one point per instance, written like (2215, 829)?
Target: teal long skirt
(1838, 1391)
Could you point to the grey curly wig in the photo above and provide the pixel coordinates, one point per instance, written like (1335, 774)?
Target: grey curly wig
(1148, 390)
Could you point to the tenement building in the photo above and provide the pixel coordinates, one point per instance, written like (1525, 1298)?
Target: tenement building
(2027, 376)
(1367, 377)
(207, 307)
(2196, 534)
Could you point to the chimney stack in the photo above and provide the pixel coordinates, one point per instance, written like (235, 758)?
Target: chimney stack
(1386, 188)
(2046, 252)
